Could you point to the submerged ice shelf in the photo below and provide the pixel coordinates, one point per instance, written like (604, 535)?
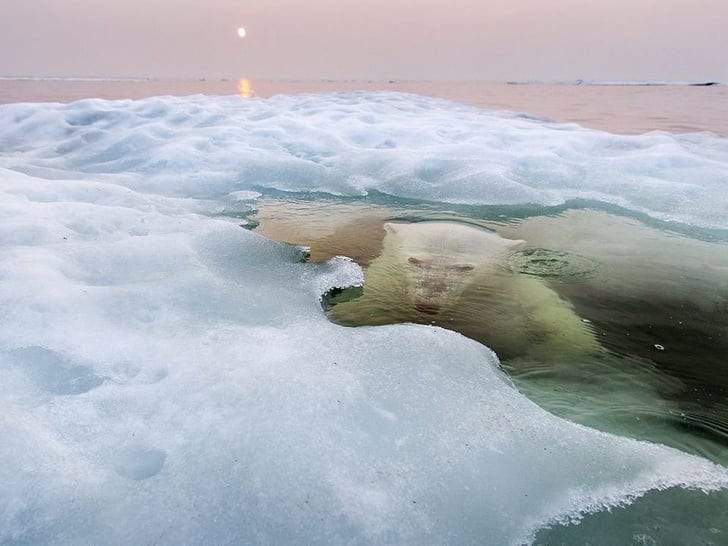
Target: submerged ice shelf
(169, 377)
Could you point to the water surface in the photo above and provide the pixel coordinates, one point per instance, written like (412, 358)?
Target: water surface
(596, 316)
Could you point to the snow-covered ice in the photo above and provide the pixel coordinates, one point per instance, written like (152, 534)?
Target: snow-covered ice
(170, 378)
(349, 144)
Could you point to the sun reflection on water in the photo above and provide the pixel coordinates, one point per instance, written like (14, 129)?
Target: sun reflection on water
(245, 90)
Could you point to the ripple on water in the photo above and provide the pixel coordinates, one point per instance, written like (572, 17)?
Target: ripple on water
(543, 262)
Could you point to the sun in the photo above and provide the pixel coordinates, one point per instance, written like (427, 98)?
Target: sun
(242, 32)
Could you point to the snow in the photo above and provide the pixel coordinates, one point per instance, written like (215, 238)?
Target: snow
(350, 144)
(169, 377)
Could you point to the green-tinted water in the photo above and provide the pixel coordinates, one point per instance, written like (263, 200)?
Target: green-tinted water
(597, 317)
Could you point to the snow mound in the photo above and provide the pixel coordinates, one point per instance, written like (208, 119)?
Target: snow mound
(349, 144)
(170, 378)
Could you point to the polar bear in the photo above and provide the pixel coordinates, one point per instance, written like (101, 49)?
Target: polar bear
(456, 275)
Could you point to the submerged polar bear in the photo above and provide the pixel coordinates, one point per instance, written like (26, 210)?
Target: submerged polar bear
(456, 275)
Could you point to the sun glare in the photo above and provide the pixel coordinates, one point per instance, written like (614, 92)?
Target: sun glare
(244, 88)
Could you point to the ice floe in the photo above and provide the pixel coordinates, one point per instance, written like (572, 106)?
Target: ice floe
(169, 377)
(351, 144)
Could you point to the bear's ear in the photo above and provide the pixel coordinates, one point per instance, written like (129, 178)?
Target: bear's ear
(391, 228)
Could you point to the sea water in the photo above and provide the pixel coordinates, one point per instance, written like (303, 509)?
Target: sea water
(598, 317)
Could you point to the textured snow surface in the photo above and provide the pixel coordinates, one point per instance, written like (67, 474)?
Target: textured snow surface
(170, 378)
(399, 144)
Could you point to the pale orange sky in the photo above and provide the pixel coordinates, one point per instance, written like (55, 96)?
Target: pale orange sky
(676, 40)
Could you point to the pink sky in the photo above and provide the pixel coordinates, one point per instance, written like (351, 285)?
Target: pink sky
(676, 40)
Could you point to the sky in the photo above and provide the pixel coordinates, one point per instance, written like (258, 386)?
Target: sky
(492, 40)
